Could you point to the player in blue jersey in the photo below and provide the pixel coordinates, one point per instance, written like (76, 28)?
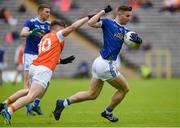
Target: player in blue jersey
(33, 30)
(105, 67)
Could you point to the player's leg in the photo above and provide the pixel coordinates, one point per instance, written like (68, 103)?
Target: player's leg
(120, 83)
(94, 91)
(26, 79)
(27, 86)
(35, 106)
(13, 98)
(36, 90)
(16, 75)
(91, 94)
(28, 58)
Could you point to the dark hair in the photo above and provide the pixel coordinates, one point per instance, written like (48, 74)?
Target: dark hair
(42, 6)
(57, 22)
(124, 8)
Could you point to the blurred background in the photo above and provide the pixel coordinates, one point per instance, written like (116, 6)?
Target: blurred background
(156, 21)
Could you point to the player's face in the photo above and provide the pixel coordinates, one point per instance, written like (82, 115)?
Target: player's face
(45, 13)
(124, 17)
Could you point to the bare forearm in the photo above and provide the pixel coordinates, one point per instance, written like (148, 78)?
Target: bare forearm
(74, 26)
(96, 17)
(79, 23)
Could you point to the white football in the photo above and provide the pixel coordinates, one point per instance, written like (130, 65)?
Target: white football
(129, 42)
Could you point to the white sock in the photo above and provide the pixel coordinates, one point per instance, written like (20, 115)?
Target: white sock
(65, 103)
(10, 110)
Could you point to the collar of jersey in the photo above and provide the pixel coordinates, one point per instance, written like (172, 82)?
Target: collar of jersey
(118, 23)
(40, 20)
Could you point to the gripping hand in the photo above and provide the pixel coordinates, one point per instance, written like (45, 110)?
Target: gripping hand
(37, 32)
(67, 60)
(135, 38)
(108, 9)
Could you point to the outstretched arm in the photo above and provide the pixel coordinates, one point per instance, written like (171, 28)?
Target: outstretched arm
(74, 26)
(94, 21)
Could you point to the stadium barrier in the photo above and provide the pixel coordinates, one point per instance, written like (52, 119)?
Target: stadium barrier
(159, 61)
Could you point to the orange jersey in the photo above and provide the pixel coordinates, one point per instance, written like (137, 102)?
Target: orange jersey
(50, 49)
(19, 54)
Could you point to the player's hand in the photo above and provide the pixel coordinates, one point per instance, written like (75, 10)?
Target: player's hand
(108, 9)
(135, 38)
(67, 60)
(37, 32)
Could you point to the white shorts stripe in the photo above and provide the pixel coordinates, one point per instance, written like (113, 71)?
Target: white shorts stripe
(27, 60)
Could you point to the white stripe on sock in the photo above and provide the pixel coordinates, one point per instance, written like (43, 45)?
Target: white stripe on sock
(10, 111)
(65, 103)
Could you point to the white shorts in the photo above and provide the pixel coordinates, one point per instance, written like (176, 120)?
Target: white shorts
(41, 74)
(105, 69)
(27, 60)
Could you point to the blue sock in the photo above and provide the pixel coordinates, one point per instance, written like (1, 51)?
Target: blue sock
(28, 107)
(36, 102)
(108, 110)
(66, 102)
(69, 102)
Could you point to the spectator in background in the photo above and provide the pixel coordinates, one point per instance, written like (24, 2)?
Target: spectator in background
(3, 63)
(7, 16)
(83, 70)
(63, 5)
(18, 59)
(146, 4)
(170, 5)
(12, 36)
(135, 4)
(22, 8)
(135, 19)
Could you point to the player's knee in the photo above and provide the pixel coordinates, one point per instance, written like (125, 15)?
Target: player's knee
(31, 97)
(26, 90)
(126, 89)
(92, 96)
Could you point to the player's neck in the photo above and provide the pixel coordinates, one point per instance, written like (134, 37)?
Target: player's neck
(118, 22)
(41, 19)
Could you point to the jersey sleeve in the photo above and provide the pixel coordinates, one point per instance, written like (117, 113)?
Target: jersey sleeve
(103, 22)
(60, 36)
(27, 24)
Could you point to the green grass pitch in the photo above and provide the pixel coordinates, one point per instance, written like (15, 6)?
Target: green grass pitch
(149, 103)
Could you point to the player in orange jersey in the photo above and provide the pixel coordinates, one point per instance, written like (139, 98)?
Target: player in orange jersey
(19, 61)
(41, 70)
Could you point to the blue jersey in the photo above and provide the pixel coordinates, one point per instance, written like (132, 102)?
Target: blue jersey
(1, 55)
(113, 36)
(32, 41)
